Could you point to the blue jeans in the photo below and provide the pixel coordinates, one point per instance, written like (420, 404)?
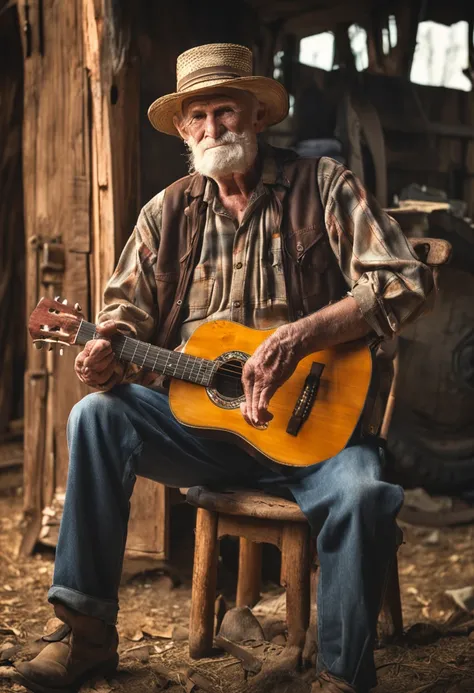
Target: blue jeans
(129, 431)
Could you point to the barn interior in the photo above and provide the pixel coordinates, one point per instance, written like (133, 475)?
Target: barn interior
(78, 159)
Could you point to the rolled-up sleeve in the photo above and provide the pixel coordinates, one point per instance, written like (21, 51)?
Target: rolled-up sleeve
(390, 284)
(130, 295)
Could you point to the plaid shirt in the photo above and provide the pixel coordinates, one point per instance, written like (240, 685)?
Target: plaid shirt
(240, 277)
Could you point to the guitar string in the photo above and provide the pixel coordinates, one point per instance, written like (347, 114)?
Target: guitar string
(132, 348)
(234, 372)
(229, 368)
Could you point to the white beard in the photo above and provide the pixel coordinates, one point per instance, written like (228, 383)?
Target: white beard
(235, 153)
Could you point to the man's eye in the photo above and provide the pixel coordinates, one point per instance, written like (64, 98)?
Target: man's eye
(198, 116)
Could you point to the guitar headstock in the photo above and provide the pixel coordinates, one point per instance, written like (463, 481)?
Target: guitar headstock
(55, 322)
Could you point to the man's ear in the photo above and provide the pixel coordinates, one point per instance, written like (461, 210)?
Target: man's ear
(178, 123)
(259, 118)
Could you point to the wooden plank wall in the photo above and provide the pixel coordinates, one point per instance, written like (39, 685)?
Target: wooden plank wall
(12, 246)
(56, 165)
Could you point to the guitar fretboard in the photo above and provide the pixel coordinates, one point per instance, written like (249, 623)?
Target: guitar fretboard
(171, 363)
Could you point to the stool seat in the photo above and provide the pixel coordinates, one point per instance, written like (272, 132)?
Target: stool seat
(245, 503)
(258, 518)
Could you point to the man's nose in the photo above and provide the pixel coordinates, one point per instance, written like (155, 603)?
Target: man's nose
(213, 127)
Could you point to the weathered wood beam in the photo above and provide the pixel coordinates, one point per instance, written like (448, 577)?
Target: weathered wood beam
(114, 89)
(12, 246)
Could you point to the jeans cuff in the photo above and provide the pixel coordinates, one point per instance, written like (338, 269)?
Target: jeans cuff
(104, 609)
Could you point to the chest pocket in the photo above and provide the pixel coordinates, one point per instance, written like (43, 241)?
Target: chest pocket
(198, 301)
(311, 253)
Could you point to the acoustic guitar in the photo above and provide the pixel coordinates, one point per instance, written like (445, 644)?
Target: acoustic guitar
(314, 412)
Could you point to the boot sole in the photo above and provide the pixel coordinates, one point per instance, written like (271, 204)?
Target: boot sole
(104, 669)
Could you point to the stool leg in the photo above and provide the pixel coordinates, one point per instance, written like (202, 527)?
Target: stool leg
(311, 641)
(250, 573)
(201, 626)
(295, 577)
(391, 617)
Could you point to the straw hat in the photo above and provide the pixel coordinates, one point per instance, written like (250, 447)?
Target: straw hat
(206, 68)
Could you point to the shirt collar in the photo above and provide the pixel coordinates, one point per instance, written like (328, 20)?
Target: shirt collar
(272, 167)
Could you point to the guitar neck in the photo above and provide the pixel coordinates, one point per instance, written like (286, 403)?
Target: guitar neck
(171, 363)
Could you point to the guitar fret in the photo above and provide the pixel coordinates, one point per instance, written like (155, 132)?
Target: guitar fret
(205, 378)
(156, 359)
(133, 355)
(198, 375)
(193, 363)
(146, 354)
(177, 363)
(166, 363)
(123, 347)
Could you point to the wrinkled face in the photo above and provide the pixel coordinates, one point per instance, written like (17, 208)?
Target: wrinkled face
(221, 131)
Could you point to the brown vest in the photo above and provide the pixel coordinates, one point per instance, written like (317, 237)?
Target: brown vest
(312, 275)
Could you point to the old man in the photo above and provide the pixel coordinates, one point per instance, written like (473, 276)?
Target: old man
(259, 236)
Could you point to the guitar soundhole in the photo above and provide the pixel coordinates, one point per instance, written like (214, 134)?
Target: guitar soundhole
(228, 381)
(227, 391)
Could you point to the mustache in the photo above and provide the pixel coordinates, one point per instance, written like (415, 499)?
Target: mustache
(225, 138)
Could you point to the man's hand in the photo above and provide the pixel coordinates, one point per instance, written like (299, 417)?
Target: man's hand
(97, 365)
(266, 370)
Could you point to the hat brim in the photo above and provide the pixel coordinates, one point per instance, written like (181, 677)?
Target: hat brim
(268, 91)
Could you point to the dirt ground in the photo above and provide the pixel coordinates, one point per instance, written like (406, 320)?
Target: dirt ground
(437, 657)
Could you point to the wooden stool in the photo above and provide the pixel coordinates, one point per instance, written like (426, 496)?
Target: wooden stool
(258, 518)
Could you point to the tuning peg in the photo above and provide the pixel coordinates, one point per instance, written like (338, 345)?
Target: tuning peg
(38, 345)
(78, 307)
(65, 302)
(57, 298)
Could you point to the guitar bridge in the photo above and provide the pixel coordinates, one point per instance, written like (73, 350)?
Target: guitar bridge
(306, 399)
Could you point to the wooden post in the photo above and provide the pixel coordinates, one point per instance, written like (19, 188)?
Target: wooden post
(114, 88)
(311, 641)
(201, 627)
(391, 616)
(250, 573)
(295, 577)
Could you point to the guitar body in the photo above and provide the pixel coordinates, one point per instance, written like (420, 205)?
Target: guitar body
(337, 407)
(314, 413)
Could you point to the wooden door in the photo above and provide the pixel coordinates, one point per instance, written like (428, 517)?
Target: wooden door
(80, 143)
(56, 175)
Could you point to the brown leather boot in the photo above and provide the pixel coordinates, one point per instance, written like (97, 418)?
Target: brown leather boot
(82, 648)
(327, 683)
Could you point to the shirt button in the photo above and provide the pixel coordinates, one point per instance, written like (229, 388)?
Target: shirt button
(179, 302)
(236, 304)
(299, 247)
(238, 265)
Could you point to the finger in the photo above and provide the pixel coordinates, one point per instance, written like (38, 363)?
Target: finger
(107, 329)
(105, 375)
(94, 380)
(99, 360)
(264, 416)
(256, 393)
(99, 367)
(98, 345)
(97, 352)
(247, 384)
(244, 412)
